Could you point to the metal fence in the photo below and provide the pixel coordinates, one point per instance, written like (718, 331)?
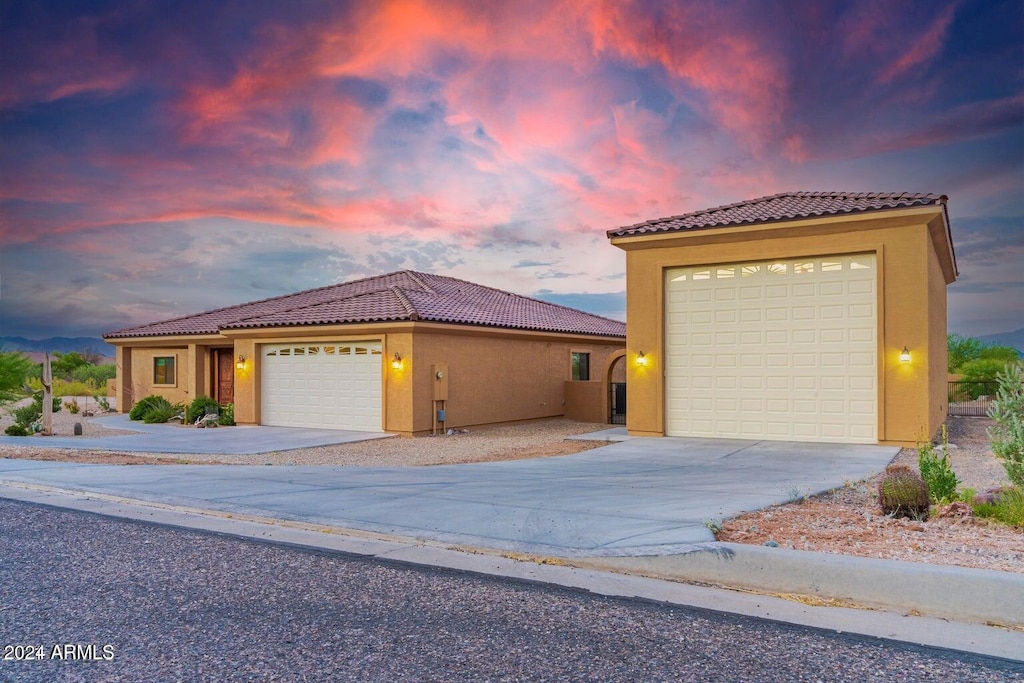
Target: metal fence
(970, 399)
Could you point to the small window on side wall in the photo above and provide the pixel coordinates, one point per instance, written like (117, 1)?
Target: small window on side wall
(580, 366)
(163, 370)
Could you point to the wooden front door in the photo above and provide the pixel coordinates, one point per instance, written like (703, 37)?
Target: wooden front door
(225, 377)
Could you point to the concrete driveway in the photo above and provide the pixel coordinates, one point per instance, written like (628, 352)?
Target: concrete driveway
(637, 497)
(165, 438)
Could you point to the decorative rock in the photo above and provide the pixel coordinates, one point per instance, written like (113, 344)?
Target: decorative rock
(78, 429)
(771, 544)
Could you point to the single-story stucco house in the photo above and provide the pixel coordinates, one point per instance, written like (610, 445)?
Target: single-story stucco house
(804, 316)
(405, 352)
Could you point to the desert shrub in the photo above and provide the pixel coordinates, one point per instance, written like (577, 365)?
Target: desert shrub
(1008, 508)
(227, 415)
(159, 409)
(200, 407)
(63, 388)
(15, 367)
(936, 471)
(63, 364)
(1006, 354)
(983, 369)
(15, 430)
(1007, 433)
(903, 493)
(73, 407)
(103, 403)
(143, 405)
(960, 349)
(26, 415)
(94, 374)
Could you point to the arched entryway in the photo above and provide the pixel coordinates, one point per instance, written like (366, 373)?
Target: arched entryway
(616, 384)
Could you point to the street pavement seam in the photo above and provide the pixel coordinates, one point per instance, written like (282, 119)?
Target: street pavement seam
(920, 630)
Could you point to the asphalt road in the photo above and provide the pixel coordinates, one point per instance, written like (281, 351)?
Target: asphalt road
(139, 602)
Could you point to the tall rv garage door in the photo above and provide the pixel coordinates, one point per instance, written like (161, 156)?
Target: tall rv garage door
(329, 385)
(782, 350)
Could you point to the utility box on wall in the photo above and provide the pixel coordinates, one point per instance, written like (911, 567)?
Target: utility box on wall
(440, 375)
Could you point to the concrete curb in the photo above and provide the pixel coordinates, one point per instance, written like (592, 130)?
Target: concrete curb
(958, 593)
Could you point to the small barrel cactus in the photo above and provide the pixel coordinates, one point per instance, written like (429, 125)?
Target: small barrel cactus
(903, 493)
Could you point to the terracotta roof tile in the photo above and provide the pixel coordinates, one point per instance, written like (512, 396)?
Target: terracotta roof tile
(404, 295)
(781, 207)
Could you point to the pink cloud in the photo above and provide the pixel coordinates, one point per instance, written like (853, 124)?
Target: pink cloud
(925, 48)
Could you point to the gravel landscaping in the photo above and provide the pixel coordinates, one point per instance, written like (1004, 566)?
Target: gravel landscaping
(503, 442)
(848, 521)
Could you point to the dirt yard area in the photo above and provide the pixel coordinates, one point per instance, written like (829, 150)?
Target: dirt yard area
(849, 521)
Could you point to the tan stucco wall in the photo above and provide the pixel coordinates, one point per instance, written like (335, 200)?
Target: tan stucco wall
(586, 401)
(495, 378)
(911, 307)
(142, 375)
(134, 378)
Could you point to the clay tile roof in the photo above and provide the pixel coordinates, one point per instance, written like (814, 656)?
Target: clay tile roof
(781, 207)
(404, 295)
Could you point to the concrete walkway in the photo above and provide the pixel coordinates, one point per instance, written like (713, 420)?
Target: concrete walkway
(636, 497)
(164, 438)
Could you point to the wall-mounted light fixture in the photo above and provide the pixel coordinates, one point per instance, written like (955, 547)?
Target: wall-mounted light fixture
(641, 359)
(905, 355)
(396, 362)
(240, 363)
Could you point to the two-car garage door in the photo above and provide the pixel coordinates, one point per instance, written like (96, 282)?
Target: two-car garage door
(773, 350)
(326, 385)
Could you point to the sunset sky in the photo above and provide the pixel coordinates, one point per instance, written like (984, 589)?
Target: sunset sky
(163, 158)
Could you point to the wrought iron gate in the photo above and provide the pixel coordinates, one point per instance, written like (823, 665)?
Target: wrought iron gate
(970, 399)
(617, 403)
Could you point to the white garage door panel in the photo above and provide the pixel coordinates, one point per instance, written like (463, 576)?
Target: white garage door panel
(330, 385)
(779, 350)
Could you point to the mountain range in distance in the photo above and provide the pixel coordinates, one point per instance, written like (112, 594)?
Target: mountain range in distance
(1014, 339)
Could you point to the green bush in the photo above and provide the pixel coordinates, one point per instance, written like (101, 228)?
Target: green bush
(1008, 508)
(936, 471)
(227, 416)
(200, 407)
(983, 369)
(94, 374)
(16, 430)
(1007, 433)
(15, 368)
(160, 411)
(63, 388)
(26, 415)
(139, 410)
(960, 350)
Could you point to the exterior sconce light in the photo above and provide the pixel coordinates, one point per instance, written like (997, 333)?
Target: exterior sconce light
(905, 355)
(396, 363)
(641, 359)
(240, 363)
